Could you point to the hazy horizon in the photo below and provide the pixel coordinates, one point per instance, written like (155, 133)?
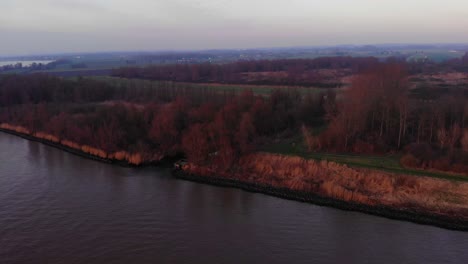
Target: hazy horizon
(32, 27)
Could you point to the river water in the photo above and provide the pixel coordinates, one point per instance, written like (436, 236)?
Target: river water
(59, 208)
(25, 63)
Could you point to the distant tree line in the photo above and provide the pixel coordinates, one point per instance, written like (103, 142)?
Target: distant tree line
(293, 71)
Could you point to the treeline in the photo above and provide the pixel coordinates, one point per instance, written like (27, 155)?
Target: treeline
(459, 64)
(20, 67)
(378, 115)
(41, 88)
(206, 126)
(431, 67)
(276, 72)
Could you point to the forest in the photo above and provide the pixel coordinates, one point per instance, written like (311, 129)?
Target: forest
(384, 109)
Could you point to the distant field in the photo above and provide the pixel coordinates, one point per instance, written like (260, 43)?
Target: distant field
(436, 55)
(79, 72)
(256, 89)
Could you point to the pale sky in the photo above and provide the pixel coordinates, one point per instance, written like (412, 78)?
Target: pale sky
(53, 26)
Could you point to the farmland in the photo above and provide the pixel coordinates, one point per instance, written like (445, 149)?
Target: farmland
(231, 88)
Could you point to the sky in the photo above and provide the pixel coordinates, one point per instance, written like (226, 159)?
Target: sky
(53, 26)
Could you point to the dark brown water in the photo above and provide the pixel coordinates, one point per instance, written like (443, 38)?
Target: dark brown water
(59, 208)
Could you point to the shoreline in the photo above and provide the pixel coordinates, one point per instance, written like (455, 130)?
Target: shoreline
(383, 211)
(165, 161)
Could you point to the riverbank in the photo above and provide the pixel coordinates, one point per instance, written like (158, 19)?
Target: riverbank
(61, 147)
(285, 193)
(421, 200)
(348, 198)
(167, 161)
(383, 211)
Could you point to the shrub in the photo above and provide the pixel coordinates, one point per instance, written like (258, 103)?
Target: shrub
(442, 164)
(460, 168)
(362, 147)
(410, 161)
(422, 151)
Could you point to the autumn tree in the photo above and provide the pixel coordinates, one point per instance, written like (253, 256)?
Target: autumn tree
(464, 140)
(246, 133)
(196, 143)
(370, 108)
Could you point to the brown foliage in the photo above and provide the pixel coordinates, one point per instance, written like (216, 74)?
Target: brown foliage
(464, 140)
(46, 136)
(196, 143)
(362, 147)
(442, 164)
(134, 159)
(350, 184)
(409, 161)
(70, 144)
(310, 141)
(18, 129)
(246, 133)
(367, 105)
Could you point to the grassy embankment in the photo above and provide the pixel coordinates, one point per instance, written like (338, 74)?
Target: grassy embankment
(423, 200)
(390, 163)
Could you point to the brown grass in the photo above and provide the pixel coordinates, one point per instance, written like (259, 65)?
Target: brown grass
(338, 181)
(131, 158)
(18, 129)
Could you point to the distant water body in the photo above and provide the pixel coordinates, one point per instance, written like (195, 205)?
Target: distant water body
(59, 208)
(25, 63)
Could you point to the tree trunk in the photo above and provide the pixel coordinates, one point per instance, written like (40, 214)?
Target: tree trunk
(400, 131)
